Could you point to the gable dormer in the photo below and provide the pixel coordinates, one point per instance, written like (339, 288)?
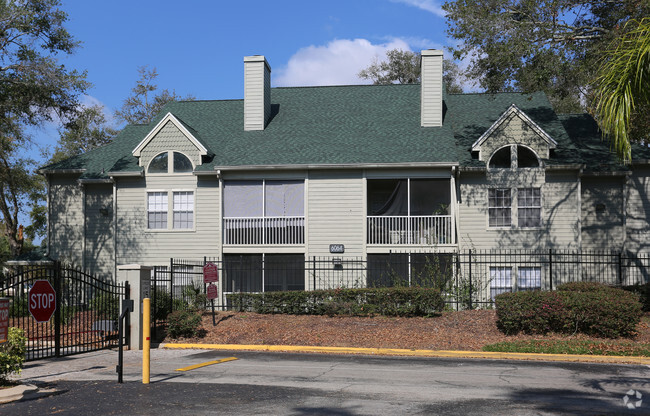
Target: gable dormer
(514, 127)
(170, 135)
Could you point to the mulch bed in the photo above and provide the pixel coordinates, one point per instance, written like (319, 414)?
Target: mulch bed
(464, 330)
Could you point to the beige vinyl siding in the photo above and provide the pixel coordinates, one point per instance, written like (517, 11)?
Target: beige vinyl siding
(560, 211)
(638, 211)
(137, 244)
(431, 96)
(66, 219)
(602, 213)
(257, 92)
(169, 138)
(99, 245)
(335, 212)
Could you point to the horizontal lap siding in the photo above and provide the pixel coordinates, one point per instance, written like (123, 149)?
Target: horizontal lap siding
(560, 212)
(638, 211)
(602, 213)
(136, 244)
(66, 219)
(335, 212)
(99, 247)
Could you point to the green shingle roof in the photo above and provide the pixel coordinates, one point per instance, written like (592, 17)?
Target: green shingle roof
(348, 125)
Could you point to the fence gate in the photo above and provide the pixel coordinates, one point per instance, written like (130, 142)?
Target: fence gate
(86, 312)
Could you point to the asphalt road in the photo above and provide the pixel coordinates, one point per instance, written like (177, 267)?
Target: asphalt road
(304, 384)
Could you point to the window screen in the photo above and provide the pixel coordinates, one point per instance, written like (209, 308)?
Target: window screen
(243, 199)
(284, 199)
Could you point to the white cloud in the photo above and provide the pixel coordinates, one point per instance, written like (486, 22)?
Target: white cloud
(336, 63)
(431, 6)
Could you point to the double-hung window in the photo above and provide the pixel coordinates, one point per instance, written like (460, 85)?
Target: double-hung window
(500, 280)
(157, 210)
(499, 208)
(529, 207)
(529, 278)
(183, 210)
(158, 215)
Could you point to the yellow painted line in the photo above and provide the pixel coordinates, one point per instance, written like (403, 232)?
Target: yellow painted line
(419, 353)
(195, 366)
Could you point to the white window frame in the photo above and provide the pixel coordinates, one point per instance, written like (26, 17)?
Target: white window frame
(528, 274)
(495, 208)
(170, 164)
(183, 204)
(520, 206)
(503, 276)
(170, 212)
(164, 201)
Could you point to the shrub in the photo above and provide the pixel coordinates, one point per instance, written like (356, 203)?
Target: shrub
(161, 303)
(589, 308)
(395, 301)
(183, 324)
(12, 353)
(644, 294)
(531, 312)
(106, 306)
(601, 310)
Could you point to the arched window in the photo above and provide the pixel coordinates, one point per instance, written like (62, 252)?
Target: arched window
(181, 163)
(160, 163)
(526, 158)
(502, 158)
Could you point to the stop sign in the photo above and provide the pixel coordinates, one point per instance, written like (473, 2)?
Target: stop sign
(42, 300)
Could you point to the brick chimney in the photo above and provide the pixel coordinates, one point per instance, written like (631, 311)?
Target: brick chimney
(431, 88)
(257, 92)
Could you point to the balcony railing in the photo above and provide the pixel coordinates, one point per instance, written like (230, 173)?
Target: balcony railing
(264, 231)
(411, 230)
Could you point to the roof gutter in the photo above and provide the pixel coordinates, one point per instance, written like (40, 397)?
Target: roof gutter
(331, 166)
(95, 180)
(56, 171)
(125, 174)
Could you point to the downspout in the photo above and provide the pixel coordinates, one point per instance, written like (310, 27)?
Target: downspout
(83, 227)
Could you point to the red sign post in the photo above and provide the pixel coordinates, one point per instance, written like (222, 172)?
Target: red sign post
(213, 292)
(42, 301)
(4, 319)
(210, 273)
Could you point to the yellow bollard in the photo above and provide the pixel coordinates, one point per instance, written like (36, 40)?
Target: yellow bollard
(146, 338)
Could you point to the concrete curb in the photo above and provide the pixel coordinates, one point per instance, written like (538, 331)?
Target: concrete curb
(24, 392)
(417, 353)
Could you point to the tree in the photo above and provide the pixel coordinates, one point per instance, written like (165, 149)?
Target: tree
(88, 130)
(403, 67)
(623, 90)
(553, 46)
(34, 88)
(142, 106)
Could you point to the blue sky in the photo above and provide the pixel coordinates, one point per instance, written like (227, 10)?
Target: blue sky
(198, 46)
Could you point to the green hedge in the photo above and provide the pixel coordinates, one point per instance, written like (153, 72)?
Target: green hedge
(589, 308)
(644, 294)
(397, 301)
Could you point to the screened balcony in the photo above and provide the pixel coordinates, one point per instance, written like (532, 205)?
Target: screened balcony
(410, 212)
(263, 213)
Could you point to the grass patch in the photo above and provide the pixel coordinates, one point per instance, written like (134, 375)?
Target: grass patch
(581, 347)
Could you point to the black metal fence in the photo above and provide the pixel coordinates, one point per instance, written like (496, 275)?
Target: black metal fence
(468, 279)
(86, 312)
